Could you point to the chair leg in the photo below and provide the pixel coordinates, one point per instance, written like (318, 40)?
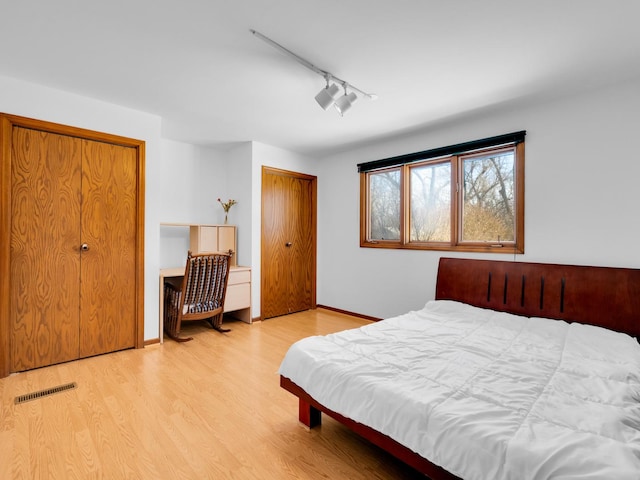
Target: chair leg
(171, 317)
(178, 338)
(216, 323)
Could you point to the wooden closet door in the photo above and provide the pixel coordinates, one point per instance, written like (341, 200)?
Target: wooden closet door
(288, 243)
(108, 267)
(301, 252)
(62, 187)
(44, 248)
(275, 262)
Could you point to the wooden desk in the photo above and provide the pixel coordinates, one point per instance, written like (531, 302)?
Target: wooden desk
(237, 301)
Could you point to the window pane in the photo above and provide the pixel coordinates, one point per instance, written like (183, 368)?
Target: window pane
(488, 207)
(431, 203)
(384, 205)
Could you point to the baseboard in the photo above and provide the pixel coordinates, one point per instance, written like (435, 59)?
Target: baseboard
(353, 314)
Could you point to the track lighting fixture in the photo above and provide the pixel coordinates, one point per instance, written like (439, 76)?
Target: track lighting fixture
(329, 95)
(344, 103)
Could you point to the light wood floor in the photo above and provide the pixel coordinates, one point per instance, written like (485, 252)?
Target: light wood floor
(211, 408)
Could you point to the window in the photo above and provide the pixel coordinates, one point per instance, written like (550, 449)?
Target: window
(385, 204)
(430, 203)
(467, 197)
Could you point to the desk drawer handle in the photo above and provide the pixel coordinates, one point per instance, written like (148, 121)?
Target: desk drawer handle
(84, 247)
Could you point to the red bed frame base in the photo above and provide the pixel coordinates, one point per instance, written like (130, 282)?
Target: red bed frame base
(309, 414)
(602, 296)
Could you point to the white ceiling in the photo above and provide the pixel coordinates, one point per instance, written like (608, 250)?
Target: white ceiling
(195, 63)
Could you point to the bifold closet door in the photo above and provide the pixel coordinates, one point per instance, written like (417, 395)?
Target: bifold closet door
(288, 243)
(45, 259)
(73, 248)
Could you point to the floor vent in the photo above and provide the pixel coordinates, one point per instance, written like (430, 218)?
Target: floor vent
(44, 393)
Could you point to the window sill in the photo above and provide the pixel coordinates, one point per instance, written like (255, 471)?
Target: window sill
(489, 248)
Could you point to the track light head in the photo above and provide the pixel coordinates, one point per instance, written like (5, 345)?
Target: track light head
(345, 102)
(327, 95)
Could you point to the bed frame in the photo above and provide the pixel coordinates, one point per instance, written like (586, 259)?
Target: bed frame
(602, 296)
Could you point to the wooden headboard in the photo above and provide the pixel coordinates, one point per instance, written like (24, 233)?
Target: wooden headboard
(602, 296)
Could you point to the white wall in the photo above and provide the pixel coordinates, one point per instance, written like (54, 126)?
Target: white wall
(192, 172)
(192, 178)
(42, 103)
(238, 168)
(581, 198)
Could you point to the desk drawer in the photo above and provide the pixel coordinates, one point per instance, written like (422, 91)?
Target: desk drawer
(238, 296)
(242, 276)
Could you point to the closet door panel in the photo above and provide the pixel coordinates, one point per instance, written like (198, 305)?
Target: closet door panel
(45, 261)
(302, 250)
(108, 266)
(275, 253)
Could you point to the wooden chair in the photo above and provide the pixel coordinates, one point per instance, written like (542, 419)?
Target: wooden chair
(199, 295)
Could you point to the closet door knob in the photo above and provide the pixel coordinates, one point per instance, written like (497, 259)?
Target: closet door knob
(84, 247)
(288, 244)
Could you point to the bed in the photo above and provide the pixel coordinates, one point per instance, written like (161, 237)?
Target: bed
(559, 397)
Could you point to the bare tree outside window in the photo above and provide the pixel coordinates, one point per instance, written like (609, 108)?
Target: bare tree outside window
(384, 207)
(431, 203)
(488, 207)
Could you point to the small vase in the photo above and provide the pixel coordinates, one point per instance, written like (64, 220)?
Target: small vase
(225, 217)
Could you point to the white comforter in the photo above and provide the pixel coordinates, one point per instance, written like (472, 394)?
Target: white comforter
(486, 395)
